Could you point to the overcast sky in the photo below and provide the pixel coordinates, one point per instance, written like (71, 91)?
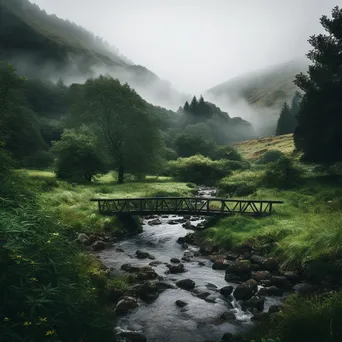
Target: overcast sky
(197, 44)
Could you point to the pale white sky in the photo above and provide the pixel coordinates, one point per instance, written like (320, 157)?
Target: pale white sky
(197, 44)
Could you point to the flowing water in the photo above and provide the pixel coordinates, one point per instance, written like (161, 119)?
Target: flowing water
(163, 320)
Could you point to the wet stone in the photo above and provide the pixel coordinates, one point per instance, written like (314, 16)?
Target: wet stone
(181, 303)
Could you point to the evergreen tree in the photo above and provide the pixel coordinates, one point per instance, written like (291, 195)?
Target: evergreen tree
(318, 134)
(186, 107)
(193, 105)
(295, 104)
(286, 122)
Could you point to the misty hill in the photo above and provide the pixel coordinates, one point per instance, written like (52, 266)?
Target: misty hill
(260, 95)
(47, 47)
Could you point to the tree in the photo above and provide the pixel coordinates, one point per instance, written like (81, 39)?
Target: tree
(78, 155)
(286, 122)
(187, 145)
(126, 130)
(295, 104)
(318, 134)
(193, 105)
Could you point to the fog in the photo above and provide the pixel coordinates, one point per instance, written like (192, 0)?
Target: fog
(196, 44)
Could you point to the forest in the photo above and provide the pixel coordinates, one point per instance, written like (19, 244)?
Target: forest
(61, 145)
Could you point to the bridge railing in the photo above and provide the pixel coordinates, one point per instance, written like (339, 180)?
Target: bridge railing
(184, 205)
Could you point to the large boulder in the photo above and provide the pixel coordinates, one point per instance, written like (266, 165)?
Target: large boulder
(98, 245)
(208, 247)
(125, 305)
(270, 264)
(146, 273)
(226, 290)
(176, 268)
(186, 284)
(255, 302)
(148, 291)
(282, 283)
(241, 268)
(175, 260)
(246, 290)
(257, 259)
(143, 255)
(261, 275)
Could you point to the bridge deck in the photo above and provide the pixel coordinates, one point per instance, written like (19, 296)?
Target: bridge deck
(184, 206)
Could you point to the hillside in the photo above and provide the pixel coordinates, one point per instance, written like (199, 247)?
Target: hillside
(260, 94)
(254, 149)
(44, 46)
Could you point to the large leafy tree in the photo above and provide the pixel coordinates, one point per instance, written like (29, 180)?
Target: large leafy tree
(318, 134)
(120, 118)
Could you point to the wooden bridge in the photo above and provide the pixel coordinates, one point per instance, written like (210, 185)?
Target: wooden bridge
(184, 206)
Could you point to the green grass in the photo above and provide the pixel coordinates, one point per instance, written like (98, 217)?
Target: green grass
(72, 202)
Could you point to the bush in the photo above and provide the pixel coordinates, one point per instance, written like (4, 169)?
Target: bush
(234, 165)
(227, 152)
(198, 169)
(281, 174)
(314, 319)
(236, 189)
(270, 157)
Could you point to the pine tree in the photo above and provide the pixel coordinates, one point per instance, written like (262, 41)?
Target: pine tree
(193, 105)
(186, 107)
(286, 122)
(318, 134)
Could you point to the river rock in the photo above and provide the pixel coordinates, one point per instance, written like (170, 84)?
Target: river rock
(176, 268)
(181, 303)
(222, 265)
(270, 264)
(274, 309)
(228, 316)
(83, 238)
(130, 268)
(125, 305)
(186, 259)
(282, 283)
(305, 289)
(164, 285)
(256, 302)
(190, 238)
(175, 260)
(148, 291)
(165, 216)
(146, 273)
(98, 246)
(141, 254)
(186, 284)
(155, 263)
(261, 275)
(120, 250)
(154, 222)
(200, 293)
(208, 247)
(188, 225)
(270, 291)
(292, 277)
(257, 259)
(181, 240)
(232, 256)
(241, 268)
(188, 254)
(226, 290)
(172, 222)
(201, 263)
(132, 336)
(246, 290)
(211, 299)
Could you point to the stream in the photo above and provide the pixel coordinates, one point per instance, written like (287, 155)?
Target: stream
(163, 320)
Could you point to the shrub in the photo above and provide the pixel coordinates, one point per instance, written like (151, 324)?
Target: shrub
(227, 152)
(270, 157)
(236, 189)
(281, 174)
(198, 169)
(234, 165)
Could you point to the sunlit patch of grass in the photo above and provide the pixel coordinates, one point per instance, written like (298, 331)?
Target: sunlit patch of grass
(72, 201)
(254, 149)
